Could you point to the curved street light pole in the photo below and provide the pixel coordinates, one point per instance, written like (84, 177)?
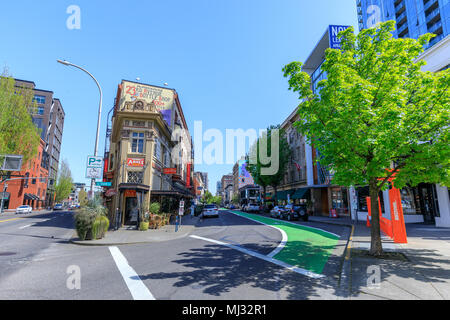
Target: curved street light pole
(66, 63)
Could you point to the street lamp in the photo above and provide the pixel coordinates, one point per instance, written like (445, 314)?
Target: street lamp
(66, 63)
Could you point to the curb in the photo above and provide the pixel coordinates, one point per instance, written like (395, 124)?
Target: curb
(93, 244)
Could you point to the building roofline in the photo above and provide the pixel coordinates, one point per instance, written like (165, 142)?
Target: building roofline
(147, 84)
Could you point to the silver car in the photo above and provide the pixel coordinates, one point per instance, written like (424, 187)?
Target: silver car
(210, 210)
(24, 209)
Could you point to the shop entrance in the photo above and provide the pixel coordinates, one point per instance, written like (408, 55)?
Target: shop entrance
(428, 202)
(131, 211)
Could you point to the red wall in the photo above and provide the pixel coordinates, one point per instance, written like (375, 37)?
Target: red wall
(17, 188)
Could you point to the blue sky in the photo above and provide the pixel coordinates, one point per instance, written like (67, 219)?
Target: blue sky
(224, 58)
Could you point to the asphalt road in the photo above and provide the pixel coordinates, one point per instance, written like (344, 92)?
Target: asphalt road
(37, 262)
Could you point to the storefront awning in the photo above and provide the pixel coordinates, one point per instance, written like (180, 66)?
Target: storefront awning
(300, 193)
(283, 195)
(170, 193)
(29, 196)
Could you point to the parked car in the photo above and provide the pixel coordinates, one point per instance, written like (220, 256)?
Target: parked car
(58, 206)
(24, 209)
(293, 212)
(232, 206)
(210, 210)
(276, 212)
(252, 207)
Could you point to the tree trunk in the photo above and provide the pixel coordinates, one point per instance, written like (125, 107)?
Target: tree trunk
(376, 248)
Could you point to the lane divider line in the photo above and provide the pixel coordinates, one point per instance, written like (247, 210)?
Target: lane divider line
(137, 288)
(284, 237)
(10, 220)
(28, 225)
(263, 257)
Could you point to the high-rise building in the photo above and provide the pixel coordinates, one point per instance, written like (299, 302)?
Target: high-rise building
(413, 17)
(49, 117)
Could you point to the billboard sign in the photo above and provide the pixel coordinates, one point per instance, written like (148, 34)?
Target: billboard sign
(10, 162)
(333, 31)
(161, 98)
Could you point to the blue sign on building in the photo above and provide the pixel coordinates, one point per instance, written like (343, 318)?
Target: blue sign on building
(333, 31)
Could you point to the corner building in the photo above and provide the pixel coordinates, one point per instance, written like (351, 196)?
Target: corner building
(148, 127)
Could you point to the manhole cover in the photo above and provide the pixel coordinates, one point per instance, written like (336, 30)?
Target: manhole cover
(7, 253)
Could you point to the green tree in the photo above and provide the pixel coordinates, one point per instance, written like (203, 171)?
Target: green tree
(18, 134)
(235, 199)
(275, 135)
(207, 197)
(82, 198)
(64, 182)
(376, 111)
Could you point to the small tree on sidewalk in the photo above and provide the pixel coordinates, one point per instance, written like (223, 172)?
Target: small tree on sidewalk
(376, 111)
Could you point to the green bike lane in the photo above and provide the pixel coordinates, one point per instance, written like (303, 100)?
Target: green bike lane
(305, 247)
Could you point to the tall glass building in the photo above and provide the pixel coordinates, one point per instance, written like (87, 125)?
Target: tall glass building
(414, 17)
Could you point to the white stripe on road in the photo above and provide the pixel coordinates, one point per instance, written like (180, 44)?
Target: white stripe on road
(137, 288)
(28, 225)
(284, 237)
(263, 257)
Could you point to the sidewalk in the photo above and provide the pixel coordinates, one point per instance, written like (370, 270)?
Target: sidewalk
(418, 270)
(126, 236)
(12, 213)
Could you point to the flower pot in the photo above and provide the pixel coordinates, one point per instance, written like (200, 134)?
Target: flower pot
(143, 226)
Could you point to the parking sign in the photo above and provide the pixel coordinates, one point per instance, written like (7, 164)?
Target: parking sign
(94, 162)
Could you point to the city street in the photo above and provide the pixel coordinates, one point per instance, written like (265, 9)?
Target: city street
(229, 257)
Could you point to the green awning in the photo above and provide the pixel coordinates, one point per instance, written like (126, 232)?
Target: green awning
(282, 195)
(300, 193)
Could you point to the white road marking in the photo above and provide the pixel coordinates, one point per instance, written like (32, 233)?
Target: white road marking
(263, 257)
(137, 288)
(28, 225)
(284, 237)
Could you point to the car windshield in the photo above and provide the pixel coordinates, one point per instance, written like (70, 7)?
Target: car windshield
(210, 206)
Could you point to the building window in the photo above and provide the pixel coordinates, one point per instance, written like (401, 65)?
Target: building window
(39, 99)
(157, 153)
(135, 177)
(362, 202)
(137, 144)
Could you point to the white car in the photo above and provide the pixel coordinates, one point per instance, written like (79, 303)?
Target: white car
(252, 207)
(24, 209)
(210, 210)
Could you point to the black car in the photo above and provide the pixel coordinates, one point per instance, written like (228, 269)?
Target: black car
(293, 212)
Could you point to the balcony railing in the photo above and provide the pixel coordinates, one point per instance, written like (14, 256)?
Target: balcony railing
(429, 4)
(400, 7)
(435, 27)
(433, 14)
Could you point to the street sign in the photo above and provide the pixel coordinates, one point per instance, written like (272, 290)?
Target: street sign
(182, 204)
(181, 211)
(93, 173)
(135, 162)
(103, 184)
(94, 162)
(170, 170)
